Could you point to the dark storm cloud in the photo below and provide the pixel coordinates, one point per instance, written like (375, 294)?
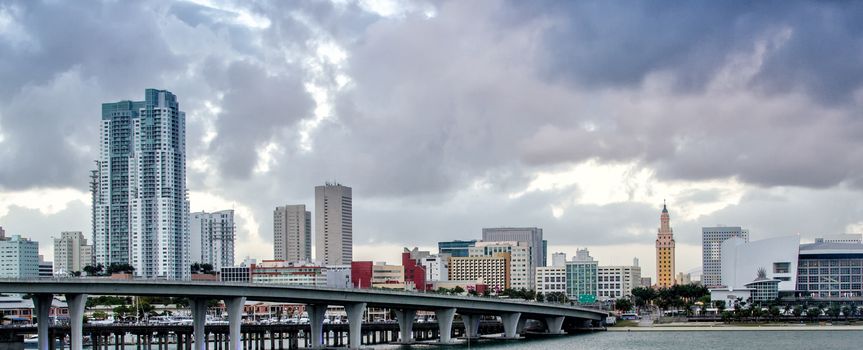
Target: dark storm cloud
(53, 84)
(256, 108)
(608, 43)
(483, 94)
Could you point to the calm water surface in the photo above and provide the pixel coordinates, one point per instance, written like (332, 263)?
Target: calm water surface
(724, 340)
(670, 340)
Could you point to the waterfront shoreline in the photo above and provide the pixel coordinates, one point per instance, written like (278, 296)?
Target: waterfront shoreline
(726, 328)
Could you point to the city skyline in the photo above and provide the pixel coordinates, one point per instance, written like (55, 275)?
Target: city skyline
(744, 127)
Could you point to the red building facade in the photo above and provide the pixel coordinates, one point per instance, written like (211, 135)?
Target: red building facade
(361, 274)
(415, 273)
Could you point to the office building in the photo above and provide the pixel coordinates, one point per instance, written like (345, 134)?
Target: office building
(333, 224)
(683, 278)
(71, 253)
(455, 248)
(2, 233)
(415, 272)
(581, 276)
(741, 260)
(551, 279)
(292, 233)
(615, 282)
(436, 267)
(558, 259)
(519, 253)
(46, 268)
(830, 270)
(289, 273)
(212, 238)
(646, 282)
(665, 251)
(489, 270)
(367, 274)
(140, 208)
(239, 273)
(19, 257)
(531, 235)
(843, 238)
(388, 276)
(711, 251)
(339, 276)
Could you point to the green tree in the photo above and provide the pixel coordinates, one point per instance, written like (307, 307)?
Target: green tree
(813, 313)
(120, 268)
(100, 315)
(846, 311)
(774, 312)
(122, 311)
(719, 305)
(540, 297)
(458, 290)
(797, 311)
(833, 311)
(622, 305)
(91, 270)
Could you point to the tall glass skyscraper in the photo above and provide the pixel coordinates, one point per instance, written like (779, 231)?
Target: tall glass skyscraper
(140, 207)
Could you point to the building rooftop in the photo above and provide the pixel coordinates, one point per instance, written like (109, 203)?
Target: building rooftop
(831, 248)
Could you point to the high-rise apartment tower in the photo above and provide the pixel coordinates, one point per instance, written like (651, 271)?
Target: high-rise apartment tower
(212, 238)
(140, 206)
(334, 238)
(292, 233)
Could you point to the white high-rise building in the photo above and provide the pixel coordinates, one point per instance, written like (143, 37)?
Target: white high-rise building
(140, 206)
(212, 238)
(71, 253)
(519, 274)
(711, 251)
(292, 233)
(334, 238)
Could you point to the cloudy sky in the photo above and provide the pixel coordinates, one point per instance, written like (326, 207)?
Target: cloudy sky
(449, 116)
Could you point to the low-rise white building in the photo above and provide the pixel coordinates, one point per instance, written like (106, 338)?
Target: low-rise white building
(615, 282)
(289, 273)
(339, 276)
(551, 279)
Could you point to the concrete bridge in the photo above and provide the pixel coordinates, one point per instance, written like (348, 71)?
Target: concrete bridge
(512, 313)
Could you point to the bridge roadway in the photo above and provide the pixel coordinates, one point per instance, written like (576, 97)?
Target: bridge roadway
(405, 304)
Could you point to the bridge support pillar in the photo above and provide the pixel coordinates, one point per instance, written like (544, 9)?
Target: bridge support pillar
(444, 323)
(235, 320)
(316, 321)
(355, 324)
(42, 306)
(199, 321)
(76, 303)
(406, 324)
(554, 325)
(471, 325)
(510, 324)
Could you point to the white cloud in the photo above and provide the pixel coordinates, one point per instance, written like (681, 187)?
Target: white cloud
(597, 183)
(47, 201)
